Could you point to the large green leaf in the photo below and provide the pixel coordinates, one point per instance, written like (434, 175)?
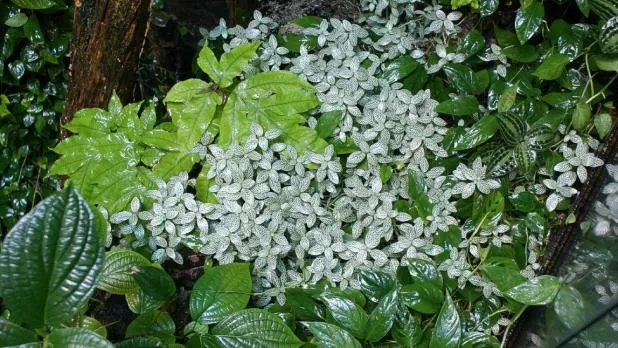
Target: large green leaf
(75, 338)
(463, 78)
(581, 116)
(12, 334)
(155, 282)
(154, 323)
(116, 277)
(552, 67)
(331, 336)
(222, 290)
(459, 106)
(254, 328)
(417, 190)
(303, 305)
(423, 297)
(273, 100)
(503, 272)
(141, 342)
(540, 290)
(447, 332)
(407, 330)
(381, 318)
(173, 163)
(375, 284)
(423, 271)
(347, 314)
(328, 122)
(139, 302)
(51, 260)
(570, 307)
(231, 64)
(528, 20)
(192, 104)
(36, 4)
(478, 133)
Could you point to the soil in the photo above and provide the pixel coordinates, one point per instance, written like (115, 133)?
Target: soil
(284, 11)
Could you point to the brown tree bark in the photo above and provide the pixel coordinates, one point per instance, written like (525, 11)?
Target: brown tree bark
(108, 36)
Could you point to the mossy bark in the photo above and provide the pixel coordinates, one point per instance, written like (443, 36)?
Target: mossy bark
(108, 36)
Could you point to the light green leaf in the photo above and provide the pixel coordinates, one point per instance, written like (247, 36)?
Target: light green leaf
(447, 332)
(540, 290)
(328, 122)
(603, 124)
(459, 106)
(347, 314)
(209, 64)
(552, 67)
(12, 334)
(381, 318)
(155, 282)
(75, 338)
(90, 122)
(161, 139)
(35, 4)
(233, 62)
(507, 99)
(17, 20)
(173, 163)
(331, 336)
(154, 323)
(254, 328)
(605, 62)
(93, 325)
(48, 287)
(222, 290)
(528, 20)
(116, 277)
(581, 116)
(139, 302)
(202, 187)
(192, 104)
(503, 272)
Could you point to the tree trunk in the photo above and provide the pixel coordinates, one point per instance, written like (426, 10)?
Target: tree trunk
(108, 36)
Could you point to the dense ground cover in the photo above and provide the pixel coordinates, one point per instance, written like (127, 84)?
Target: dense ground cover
(391, 180)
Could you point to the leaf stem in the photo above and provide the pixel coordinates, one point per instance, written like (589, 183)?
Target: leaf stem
(508, 328)
(602, 89)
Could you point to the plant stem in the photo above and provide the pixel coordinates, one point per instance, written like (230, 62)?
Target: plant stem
(508, 328)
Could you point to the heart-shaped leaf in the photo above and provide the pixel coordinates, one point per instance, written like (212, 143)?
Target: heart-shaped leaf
(254, 328)
(540, 290)
(329, 335)
(116, 277)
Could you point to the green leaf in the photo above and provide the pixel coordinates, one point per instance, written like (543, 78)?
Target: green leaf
(584, 6)
(581, 116)
(417, 190)
(503, 272)
(487, 209)
(273, 100)
(407, 330)
(141, 342)
(552, 67)
(17, 69)
(423, 271)
(192, 104)
(331, 336)
(93, 325)
(328, 122)
(603, 124)
(33, 31)
(479, 133)
(525, 202)
(161, 139)
(209, 64)
(154, 323)
(459, 106)
(155, 282)
(12, 334)
(399, 68)
(540, 290)
(473, 339)
(222, 290)
(381, 318)
(487, 7)
(463, 79)
(202, 187)
(605, 62)
(375, 284)
(472, 43)
(570, 307)
(447, 332)
(35, 4)
(49, 286)
(17, 20)
(347, 314)
(302, 305)
(507, 100)
(116, 276)
(139, 302)
(423, 297)
(175, 162)
(528, 21)
(254, 328)
(522, 54)
(233, 62)
(76, 338)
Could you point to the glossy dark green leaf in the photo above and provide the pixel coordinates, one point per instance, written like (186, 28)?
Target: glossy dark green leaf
(540, 290)
(222, 290)
(479, 340)
(478, 133)
(407, 330)
(425, 298)
(503, 272)
(254, 328)
(507, 99)
(12, 334)
(93, 325)
(423, 271)
(141, 342)
(154, 323)
(155, 282)
(116, 277)
(49, 286)
(487, 209)
(416, 81)
(303, 305)
(17, 69)
(139, 302)
(528, 20)
(347, 314)
(331, 336)
(447, 332)
(525, 202)
(35, 4)
(603, 124)
(524, 54)
(487, 7)
(581, 116)
(472, 43)
(552, 67)
(417, 190)
(75, 338)
(375, 284)
(328, 122)
(459, 106)
(353, 295)
(399, 68)
(565, 39)
(462, 78)
(17, 20)
(33, 31)
(584, 6)
(569, 306)
(560, 100)
(381, 317)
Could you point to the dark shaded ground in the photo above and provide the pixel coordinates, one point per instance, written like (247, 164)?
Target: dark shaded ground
(284, 11)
